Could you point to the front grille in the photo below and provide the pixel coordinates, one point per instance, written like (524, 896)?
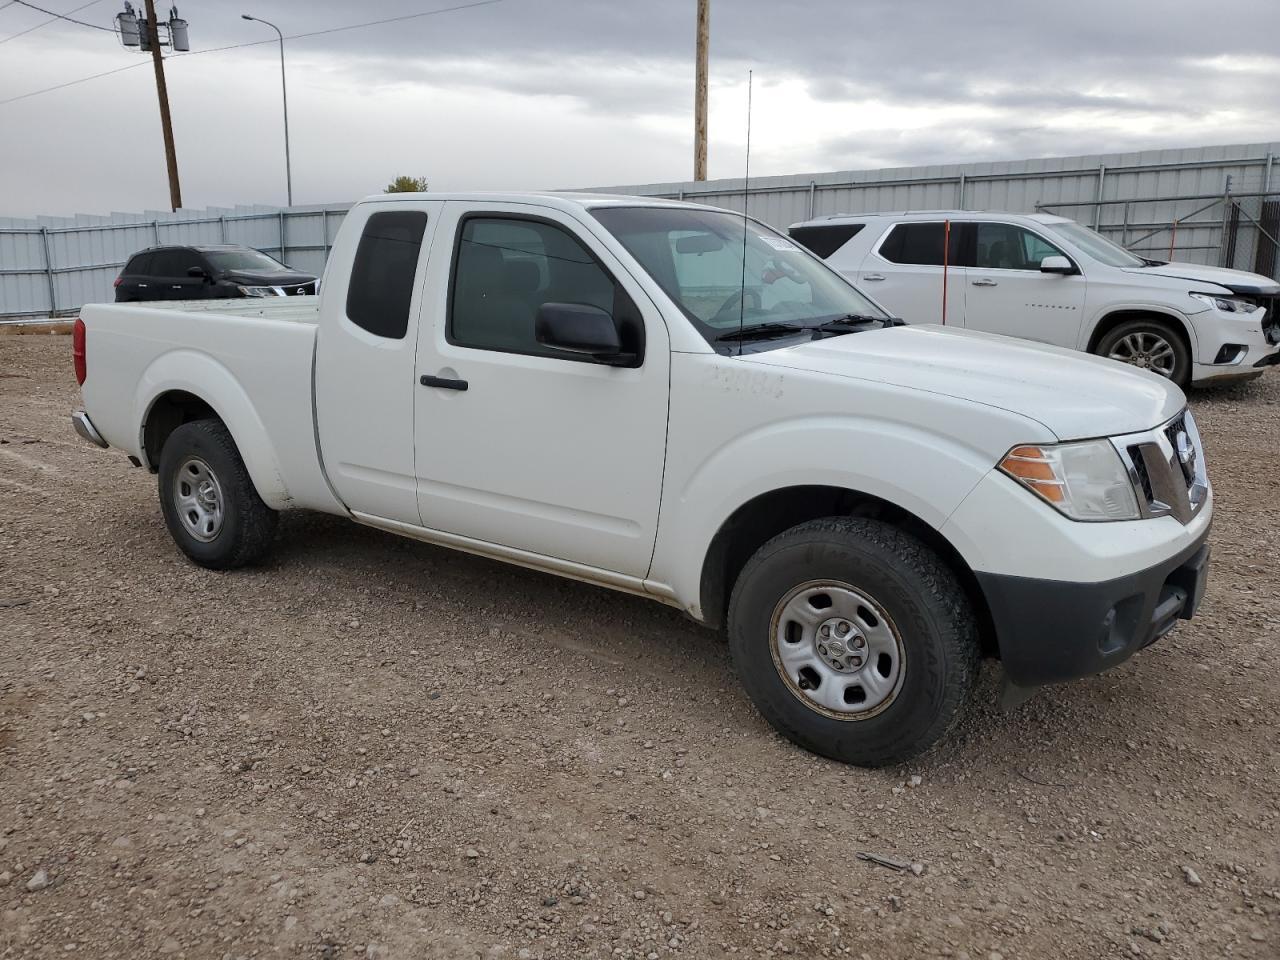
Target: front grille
(1166, 467)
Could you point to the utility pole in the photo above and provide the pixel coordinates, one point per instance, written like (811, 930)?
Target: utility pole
(170, 154)
(700, 93)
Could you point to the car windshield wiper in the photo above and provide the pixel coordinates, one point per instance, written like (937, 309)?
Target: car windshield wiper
(762, 331)
(853, 322)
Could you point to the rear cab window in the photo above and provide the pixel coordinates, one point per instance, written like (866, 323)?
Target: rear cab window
(386, 261)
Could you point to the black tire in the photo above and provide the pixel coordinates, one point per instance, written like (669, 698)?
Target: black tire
(1167, 332)
(247, 525)
(934, 622)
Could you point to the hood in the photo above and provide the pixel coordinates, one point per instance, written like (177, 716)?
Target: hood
(267, 278)
(1074, 395)
(1235, 281)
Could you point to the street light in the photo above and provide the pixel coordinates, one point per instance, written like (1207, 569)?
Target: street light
(284, 93)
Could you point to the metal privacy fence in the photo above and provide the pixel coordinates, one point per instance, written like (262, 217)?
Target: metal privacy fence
(1211, 205)
(54, 265)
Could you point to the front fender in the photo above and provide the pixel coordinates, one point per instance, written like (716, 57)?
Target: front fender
(922, 472)
(199, 374)
(1160, 309)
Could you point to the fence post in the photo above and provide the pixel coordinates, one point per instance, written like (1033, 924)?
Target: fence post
(222, 228)
(155, 231)
(813, 189)
(282, 253)
(960, 198)
(1223, 245)
(1266, 173)
(1097, 207)
(324, 232)
(1124, 226)
(48, 271)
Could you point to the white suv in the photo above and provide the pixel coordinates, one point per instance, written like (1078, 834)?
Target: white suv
(1050, 279)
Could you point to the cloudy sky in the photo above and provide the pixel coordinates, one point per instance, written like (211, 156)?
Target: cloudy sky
(533, 94)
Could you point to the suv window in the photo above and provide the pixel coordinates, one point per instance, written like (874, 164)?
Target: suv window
(139, 265)
(386, 261)
(1003, 246)
(174, 262)
(920, 243)
(825, 239)
(505, 269)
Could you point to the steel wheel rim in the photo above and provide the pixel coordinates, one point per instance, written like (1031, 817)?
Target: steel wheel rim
(197, 497)
(1146, 350)
(839, 636)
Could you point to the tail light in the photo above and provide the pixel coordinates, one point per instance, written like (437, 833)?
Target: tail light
(77, 351)
(119, 280)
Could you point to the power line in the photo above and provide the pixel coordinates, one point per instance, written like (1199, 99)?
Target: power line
(55, 16)
(255, 43)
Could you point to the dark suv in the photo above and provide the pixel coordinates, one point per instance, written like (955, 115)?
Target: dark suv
(206, 272)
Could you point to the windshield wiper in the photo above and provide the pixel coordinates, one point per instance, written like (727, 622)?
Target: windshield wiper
(762, 331)
(853, 322)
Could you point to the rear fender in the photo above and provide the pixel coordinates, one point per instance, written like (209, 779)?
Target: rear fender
(199, 374)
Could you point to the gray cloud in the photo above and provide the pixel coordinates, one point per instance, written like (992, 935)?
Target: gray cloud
(529, 93)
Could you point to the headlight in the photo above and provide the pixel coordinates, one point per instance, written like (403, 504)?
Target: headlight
(259, 291)
(1085, 481)
(1226, 304)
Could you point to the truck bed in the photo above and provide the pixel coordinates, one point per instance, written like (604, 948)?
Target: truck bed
(250, 359)
(293, 309)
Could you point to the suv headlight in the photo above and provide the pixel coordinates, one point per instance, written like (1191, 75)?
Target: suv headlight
(1085, 480)
(259, 291)
(1226, 304)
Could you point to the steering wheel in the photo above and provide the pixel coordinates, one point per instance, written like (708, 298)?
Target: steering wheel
(786, 270)
(737, 301)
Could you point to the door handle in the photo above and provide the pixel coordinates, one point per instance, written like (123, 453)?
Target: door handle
(443, 383)
(985, 283)
(873, 276)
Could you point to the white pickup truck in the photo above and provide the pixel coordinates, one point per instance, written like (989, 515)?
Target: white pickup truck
(679, 402)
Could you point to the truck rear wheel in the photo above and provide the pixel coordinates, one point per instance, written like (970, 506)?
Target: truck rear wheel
(210, 505)
(854, 640)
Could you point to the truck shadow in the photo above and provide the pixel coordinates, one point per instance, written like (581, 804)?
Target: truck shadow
(629, 636)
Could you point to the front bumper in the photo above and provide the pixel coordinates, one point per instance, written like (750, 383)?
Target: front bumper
(1050, 631)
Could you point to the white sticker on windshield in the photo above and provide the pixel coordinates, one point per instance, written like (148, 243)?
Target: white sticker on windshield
(779, 243)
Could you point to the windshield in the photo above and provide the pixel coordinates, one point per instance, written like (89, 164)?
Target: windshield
(1095, 244)
(223, 260)
(696, 256)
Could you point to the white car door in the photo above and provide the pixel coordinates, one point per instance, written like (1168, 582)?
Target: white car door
(365, 386)
(519, 444)
(905, 270)
(1007, 292)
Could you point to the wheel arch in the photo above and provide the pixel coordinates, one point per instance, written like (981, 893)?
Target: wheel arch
(766, 515)
(1118, 315)
(183, 386)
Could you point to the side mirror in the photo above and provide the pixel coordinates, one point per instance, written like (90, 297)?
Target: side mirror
(1059, 265)
(581, 328)
(198, 273)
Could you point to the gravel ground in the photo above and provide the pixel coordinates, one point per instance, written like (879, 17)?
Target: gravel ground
(374, 748)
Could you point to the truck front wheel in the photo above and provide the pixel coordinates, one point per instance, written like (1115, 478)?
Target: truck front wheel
(854, 640)
(210, 505)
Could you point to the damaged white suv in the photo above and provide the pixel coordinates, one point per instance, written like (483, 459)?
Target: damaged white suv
(1047, 278)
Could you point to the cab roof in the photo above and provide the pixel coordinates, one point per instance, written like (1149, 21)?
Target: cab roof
(838, 218)
(556, 199)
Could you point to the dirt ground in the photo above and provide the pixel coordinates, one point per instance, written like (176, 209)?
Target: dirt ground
(374, 748)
